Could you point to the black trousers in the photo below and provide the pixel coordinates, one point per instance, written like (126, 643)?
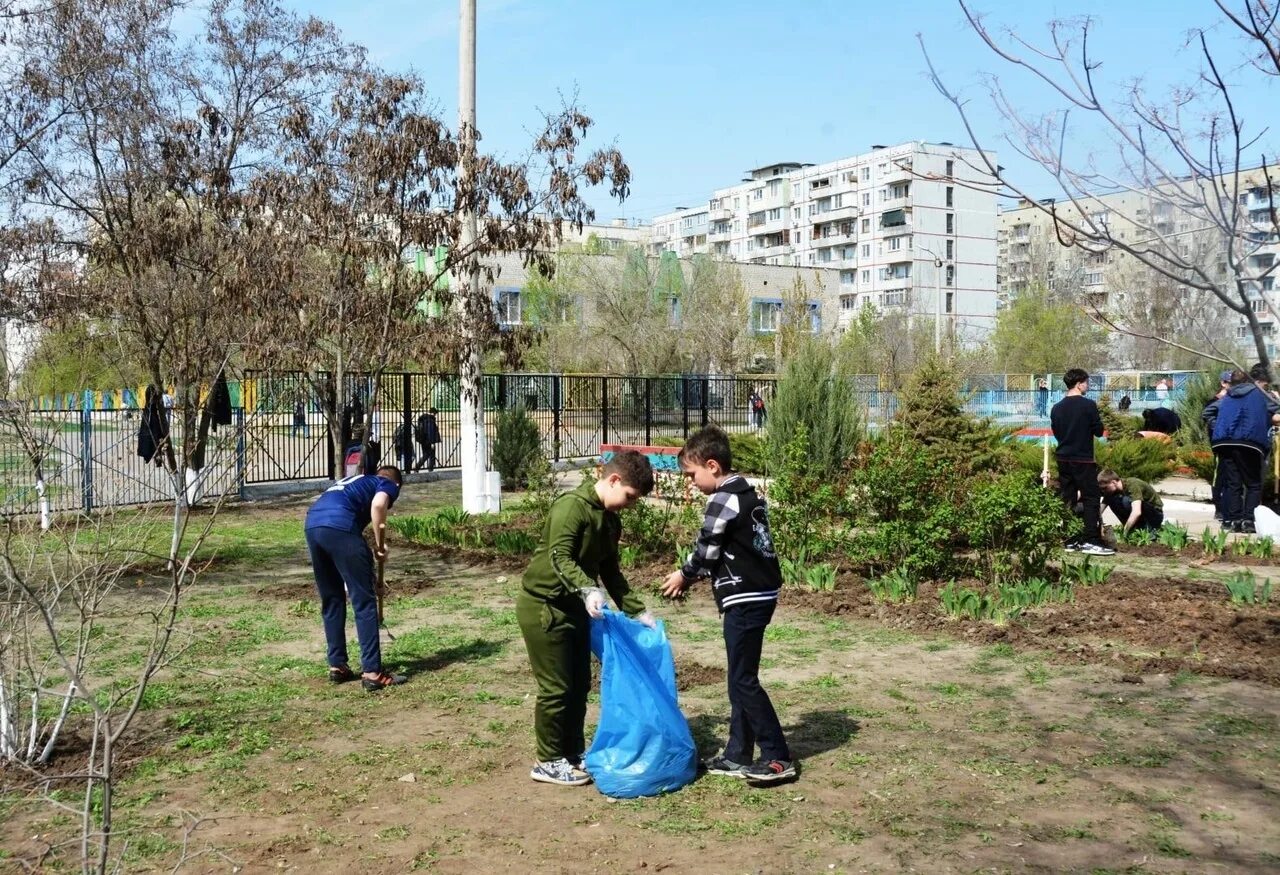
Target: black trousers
(1240, 470)
(1122, 505)
(1078, 482)
(751, 715)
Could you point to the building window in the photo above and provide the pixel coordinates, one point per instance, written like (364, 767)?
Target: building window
(951, 250)
(866, 173)
(673, 310)
(951, 275)
(951, 168)
(866, 226)
(895, 244)
(506, 302)
(951, 302)
(1093, 279)
(951, 223)
(848, 277)
(757, 194)
(866, 198)
(848, 303)
(1268, 282)
(866, 276)
(765, 313)
(866, 250)
(951, 196)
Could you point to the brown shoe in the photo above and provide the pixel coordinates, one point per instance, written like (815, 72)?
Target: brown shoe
(340, 674)
(381, 680)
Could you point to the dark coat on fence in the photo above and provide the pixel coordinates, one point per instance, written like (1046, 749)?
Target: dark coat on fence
(153, 431)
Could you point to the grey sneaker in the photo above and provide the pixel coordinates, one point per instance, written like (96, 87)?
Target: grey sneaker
(718, 765)
(1096, 550)
(767, 771)
(1072, 547)
(560, 772)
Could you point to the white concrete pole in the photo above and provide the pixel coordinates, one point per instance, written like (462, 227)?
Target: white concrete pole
(471, 401)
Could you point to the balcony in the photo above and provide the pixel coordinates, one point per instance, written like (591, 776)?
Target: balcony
(769, 226)
(720, 214)
(896, 230)
(831, 214)
(771, 251)
(896, 297)
(719, 235)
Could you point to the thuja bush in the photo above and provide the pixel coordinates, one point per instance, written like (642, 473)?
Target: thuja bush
(815, 394)
(931, 413)
(1118, 425)
(516, 447)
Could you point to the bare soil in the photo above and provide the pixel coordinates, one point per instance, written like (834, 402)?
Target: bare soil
(1141, 623)
(1071, 741)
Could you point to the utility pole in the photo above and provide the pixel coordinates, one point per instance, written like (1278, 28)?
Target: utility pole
(474, 441)
(937, 300)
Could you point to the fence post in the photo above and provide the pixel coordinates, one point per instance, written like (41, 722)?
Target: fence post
(412, 448)
(86, 458)
(648, 411)
(706, 390)
(242, 489)
(684, 405)
(501, 402)
(604, 410)
(555, 415)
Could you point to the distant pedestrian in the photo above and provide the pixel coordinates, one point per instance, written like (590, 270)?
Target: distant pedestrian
(427, 434)
(758, 411)
(300, 420)
(1162, 391)
(1042, 397)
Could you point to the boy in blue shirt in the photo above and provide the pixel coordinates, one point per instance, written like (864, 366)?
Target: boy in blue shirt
(735, 549)
(335, 538)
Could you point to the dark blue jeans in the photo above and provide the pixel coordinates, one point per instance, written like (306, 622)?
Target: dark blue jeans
(1122, 505)
(1240, 469)
(338, 556)
(751, 715)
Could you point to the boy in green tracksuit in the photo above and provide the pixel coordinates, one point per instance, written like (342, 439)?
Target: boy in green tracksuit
(559, 596)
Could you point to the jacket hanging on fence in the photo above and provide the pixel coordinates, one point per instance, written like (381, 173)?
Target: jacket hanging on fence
(154, 428)
(220, 402)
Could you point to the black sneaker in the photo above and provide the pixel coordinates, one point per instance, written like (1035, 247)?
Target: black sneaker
(383, 680)
(1072, 547)
(1247, 527)
(718, 765)
(767, 771)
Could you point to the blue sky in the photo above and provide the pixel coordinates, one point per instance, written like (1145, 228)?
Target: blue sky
(694, 92)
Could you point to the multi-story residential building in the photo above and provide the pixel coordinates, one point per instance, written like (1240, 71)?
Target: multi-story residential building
(909, 227)
(1114, 282)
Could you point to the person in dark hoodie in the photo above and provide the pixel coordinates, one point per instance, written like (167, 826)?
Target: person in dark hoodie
(1076, 422)
(735, 549)
(1239, 431)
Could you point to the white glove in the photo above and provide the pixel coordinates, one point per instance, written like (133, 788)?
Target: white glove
(595, 603)
(647, 619)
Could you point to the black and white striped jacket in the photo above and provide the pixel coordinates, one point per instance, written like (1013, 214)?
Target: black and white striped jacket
(735, 548)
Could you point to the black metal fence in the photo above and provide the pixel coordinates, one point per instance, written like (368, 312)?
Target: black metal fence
(89, 459)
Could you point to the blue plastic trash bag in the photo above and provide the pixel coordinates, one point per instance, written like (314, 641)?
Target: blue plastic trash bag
(642, 745)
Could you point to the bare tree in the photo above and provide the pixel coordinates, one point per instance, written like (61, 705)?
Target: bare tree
(1184, 165)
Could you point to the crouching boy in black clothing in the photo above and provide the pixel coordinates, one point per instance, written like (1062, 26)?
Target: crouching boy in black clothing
(735, 549)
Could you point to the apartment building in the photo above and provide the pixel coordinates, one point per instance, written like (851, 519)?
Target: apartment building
(1029, 251)
(908, 227)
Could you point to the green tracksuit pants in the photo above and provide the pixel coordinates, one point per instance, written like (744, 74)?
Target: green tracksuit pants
(557, 635)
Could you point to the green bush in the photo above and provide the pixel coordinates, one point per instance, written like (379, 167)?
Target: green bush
(908, 510)
(815, 394)
(931, 413)
(1119, 426)
(801, 503)
(517, 445)
(1146, 459)
(1015, 527)
(1197, 392)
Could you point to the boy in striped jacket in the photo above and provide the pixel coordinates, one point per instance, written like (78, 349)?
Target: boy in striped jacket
(735, 549)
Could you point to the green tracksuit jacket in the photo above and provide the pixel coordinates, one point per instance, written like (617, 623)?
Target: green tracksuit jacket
(579, 546)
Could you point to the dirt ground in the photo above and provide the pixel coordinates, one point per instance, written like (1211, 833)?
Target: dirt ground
(1136, 730)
